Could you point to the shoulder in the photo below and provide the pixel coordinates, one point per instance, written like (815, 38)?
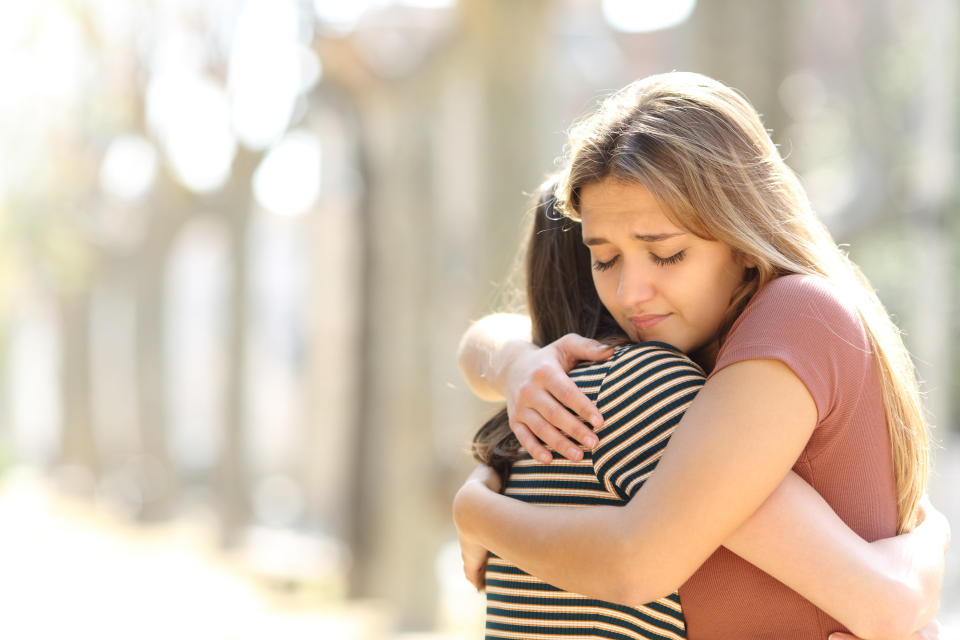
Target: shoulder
(649, 353)
(643, 396)
(805, 303)
(804, 292)
(811, 326)
(634, 367)
(642, 367)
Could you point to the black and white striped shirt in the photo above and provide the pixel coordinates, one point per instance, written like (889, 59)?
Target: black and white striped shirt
(642, 392)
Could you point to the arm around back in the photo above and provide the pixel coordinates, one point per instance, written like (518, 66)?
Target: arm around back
(654, 543)
(883, 590)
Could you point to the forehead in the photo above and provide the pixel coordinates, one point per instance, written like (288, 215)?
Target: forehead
(613, 202)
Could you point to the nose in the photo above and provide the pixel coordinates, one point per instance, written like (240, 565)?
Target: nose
(636, 286)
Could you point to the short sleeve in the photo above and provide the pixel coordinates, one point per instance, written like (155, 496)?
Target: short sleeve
(643, 396)
(802, 321)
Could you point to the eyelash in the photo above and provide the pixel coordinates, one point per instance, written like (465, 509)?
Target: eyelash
(663, 262)
(603, 266)
(674, 259)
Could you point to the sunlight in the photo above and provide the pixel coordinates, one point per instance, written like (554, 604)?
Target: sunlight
(429, 4)
(287, 182)
(265, 74)
(639, 16)
(129, 167)
(344, 15)
(190, 116)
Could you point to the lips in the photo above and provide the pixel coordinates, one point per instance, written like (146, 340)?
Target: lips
(648, 320)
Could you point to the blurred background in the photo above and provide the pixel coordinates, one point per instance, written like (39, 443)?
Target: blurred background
(240, 239)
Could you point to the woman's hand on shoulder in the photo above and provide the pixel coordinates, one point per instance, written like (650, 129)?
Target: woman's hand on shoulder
(540, 397)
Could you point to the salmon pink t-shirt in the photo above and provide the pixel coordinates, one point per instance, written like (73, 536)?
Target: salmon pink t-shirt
(803, 322)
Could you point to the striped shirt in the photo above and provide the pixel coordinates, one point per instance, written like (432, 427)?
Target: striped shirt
(642, 392)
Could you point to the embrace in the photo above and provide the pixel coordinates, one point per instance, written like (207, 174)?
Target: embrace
(712, 428)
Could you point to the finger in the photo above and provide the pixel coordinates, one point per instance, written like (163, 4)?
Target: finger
(567, 393)
(557, 416)
(575, 348)
(529, 442)
(549, 435)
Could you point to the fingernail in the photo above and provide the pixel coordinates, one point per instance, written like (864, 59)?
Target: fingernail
(592, 442)
(574, 454)
(597, 421)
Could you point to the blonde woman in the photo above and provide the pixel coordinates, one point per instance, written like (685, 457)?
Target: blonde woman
(702, 238)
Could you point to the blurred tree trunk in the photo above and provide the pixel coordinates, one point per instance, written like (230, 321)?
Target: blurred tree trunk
(156, 473)
(506, 48)
(234, 202)
(931, 116)
(399, 518)
(747, 45)
(392, 531)
(78, 441)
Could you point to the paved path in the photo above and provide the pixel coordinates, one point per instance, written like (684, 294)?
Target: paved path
(71, 571)
(68, 570)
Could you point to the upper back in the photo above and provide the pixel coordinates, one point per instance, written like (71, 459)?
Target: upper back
(642, 392)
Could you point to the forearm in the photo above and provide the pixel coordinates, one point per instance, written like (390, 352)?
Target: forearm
(487, 346)
(570, 548)
(642, 551)
(876, 592)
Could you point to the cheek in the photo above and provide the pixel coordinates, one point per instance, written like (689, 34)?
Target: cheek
(606, 289)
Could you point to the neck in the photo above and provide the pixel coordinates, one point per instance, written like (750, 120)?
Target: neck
(706, 356)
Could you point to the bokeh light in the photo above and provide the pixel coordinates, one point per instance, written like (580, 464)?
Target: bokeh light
(639, 16)
(189, 114)
(129, 167)
(287, 182)
(265, 73)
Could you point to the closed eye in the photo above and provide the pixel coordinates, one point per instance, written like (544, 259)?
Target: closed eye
(603, 266)
(675, 258)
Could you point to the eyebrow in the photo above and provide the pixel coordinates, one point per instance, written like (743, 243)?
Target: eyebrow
(643, 237)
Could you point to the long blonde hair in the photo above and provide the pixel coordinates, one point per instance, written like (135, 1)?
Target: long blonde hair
(701, 148)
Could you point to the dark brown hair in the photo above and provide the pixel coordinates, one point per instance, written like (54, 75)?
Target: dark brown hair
(561, 299)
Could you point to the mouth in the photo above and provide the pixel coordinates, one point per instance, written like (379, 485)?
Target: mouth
(648, 320)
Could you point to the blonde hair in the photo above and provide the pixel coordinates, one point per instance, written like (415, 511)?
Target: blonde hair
(701, 149)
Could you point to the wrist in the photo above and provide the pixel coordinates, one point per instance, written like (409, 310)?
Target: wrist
(480, 356)
(507, 355)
